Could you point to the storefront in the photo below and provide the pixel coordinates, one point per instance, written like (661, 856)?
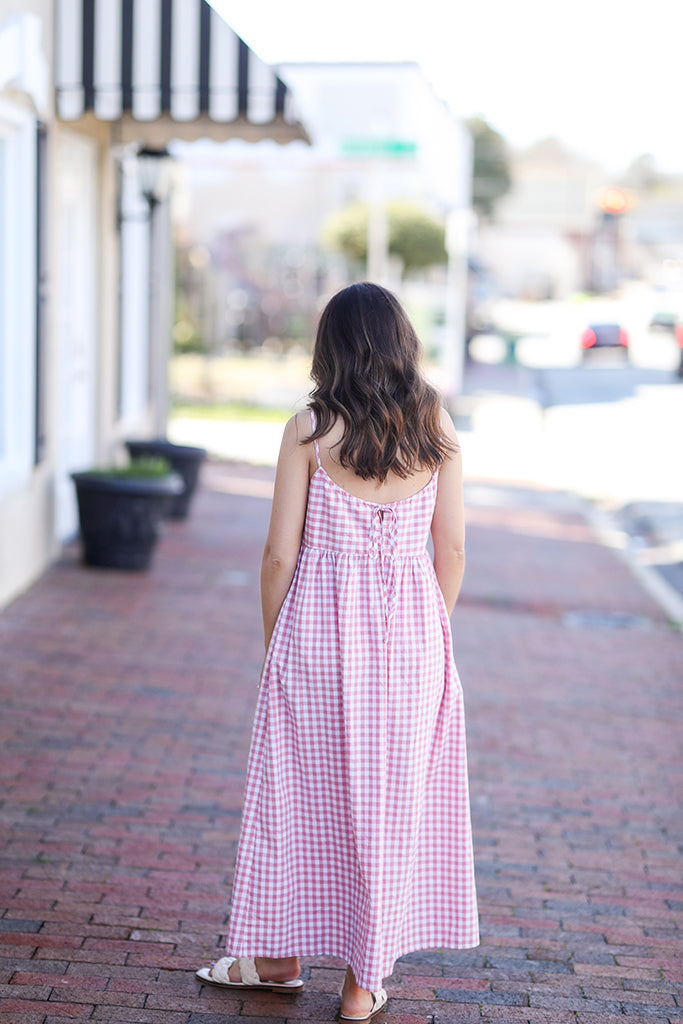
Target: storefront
(84, 258)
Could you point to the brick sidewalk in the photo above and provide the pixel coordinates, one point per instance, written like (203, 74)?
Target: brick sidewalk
(127, 705)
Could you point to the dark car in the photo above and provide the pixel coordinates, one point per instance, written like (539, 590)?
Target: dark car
(664, 320)
(678, 335)
(605, 336)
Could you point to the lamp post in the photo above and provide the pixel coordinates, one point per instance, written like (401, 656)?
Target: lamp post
(154, 184)
(607, 256)
(152, 166)
(458, 223)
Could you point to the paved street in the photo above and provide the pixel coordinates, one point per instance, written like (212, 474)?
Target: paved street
(601, 426)
(605, 432)
(127, 703)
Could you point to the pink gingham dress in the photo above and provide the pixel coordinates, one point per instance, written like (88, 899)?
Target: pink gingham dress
(356, 838)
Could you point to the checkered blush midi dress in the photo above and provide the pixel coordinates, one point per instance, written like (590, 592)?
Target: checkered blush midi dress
(356, 838)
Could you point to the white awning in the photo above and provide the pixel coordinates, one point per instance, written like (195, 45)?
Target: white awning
(166, 69)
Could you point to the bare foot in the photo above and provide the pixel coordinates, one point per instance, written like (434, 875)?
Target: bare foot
(270, 969)
(356, 1001)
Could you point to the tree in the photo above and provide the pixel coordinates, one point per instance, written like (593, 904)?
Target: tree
(642, 174)
(491, 177)
(415, 237)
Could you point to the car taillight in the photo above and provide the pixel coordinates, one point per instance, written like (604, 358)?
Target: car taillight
(623, 336)
(678, 334)
(588, 338)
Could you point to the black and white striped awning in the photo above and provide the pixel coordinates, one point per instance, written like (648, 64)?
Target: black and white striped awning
(166, 69)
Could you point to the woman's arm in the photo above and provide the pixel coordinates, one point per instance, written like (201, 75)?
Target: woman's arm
(287, 519)
(448, 524)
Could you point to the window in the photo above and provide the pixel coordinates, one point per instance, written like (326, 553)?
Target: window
(17, 294)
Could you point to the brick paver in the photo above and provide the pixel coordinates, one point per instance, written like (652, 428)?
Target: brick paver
(127, 705)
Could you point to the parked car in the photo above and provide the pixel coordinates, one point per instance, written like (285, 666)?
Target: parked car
(664, 320)
(605, 336)
(678, 335)
(669, 322)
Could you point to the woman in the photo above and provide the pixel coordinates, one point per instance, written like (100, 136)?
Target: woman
(356, 837)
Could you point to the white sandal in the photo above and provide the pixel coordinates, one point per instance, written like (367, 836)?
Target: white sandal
(378, 1001)
(217, 974)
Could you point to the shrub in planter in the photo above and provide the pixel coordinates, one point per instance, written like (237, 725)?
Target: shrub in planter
(120, 511)
(184, 459)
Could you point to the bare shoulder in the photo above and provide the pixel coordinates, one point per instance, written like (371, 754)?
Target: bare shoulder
(297, 429)
(296, 447)
(449, 430)
(303, 422)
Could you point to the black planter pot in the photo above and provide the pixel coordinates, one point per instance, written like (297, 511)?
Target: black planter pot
(120, 517)
(184, 459)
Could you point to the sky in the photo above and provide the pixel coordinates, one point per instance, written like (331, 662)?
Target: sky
(606, 77)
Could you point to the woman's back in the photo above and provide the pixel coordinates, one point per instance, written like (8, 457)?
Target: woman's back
(343, 524)
(393, 488)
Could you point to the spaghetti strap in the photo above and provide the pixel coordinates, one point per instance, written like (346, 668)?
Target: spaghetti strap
(317, 449)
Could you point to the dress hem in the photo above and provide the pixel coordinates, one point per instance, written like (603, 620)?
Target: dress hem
(371, 984)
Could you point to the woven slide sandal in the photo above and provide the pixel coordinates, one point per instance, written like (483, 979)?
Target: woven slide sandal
(217, 974)
(378, 1002)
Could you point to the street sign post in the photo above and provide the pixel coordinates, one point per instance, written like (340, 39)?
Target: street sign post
(377, 150)
(371, 148)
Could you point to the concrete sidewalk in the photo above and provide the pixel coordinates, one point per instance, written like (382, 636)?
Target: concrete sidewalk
(127, 705)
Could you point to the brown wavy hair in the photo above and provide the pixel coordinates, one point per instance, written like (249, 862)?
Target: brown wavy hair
(366, 371)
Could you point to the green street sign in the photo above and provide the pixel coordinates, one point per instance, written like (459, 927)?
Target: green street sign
(362, 148)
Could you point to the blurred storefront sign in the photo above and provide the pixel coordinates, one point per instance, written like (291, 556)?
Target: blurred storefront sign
(614, 200)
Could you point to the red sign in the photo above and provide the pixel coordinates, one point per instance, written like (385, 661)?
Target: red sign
(614, 200)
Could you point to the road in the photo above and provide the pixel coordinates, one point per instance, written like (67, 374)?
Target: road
(550, 330)
(612, 430)
(607, 433)
(602, 428)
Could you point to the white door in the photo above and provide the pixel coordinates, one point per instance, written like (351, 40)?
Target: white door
(76, 301)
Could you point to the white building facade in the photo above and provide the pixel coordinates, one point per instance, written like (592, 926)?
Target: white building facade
(83, 349)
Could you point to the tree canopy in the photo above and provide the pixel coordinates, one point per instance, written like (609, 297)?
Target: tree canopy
(491, 177)
(415, 236)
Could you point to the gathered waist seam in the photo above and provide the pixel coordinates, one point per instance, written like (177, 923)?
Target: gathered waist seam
(360, 554)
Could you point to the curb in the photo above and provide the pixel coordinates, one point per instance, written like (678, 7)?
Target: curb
(659, 590)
